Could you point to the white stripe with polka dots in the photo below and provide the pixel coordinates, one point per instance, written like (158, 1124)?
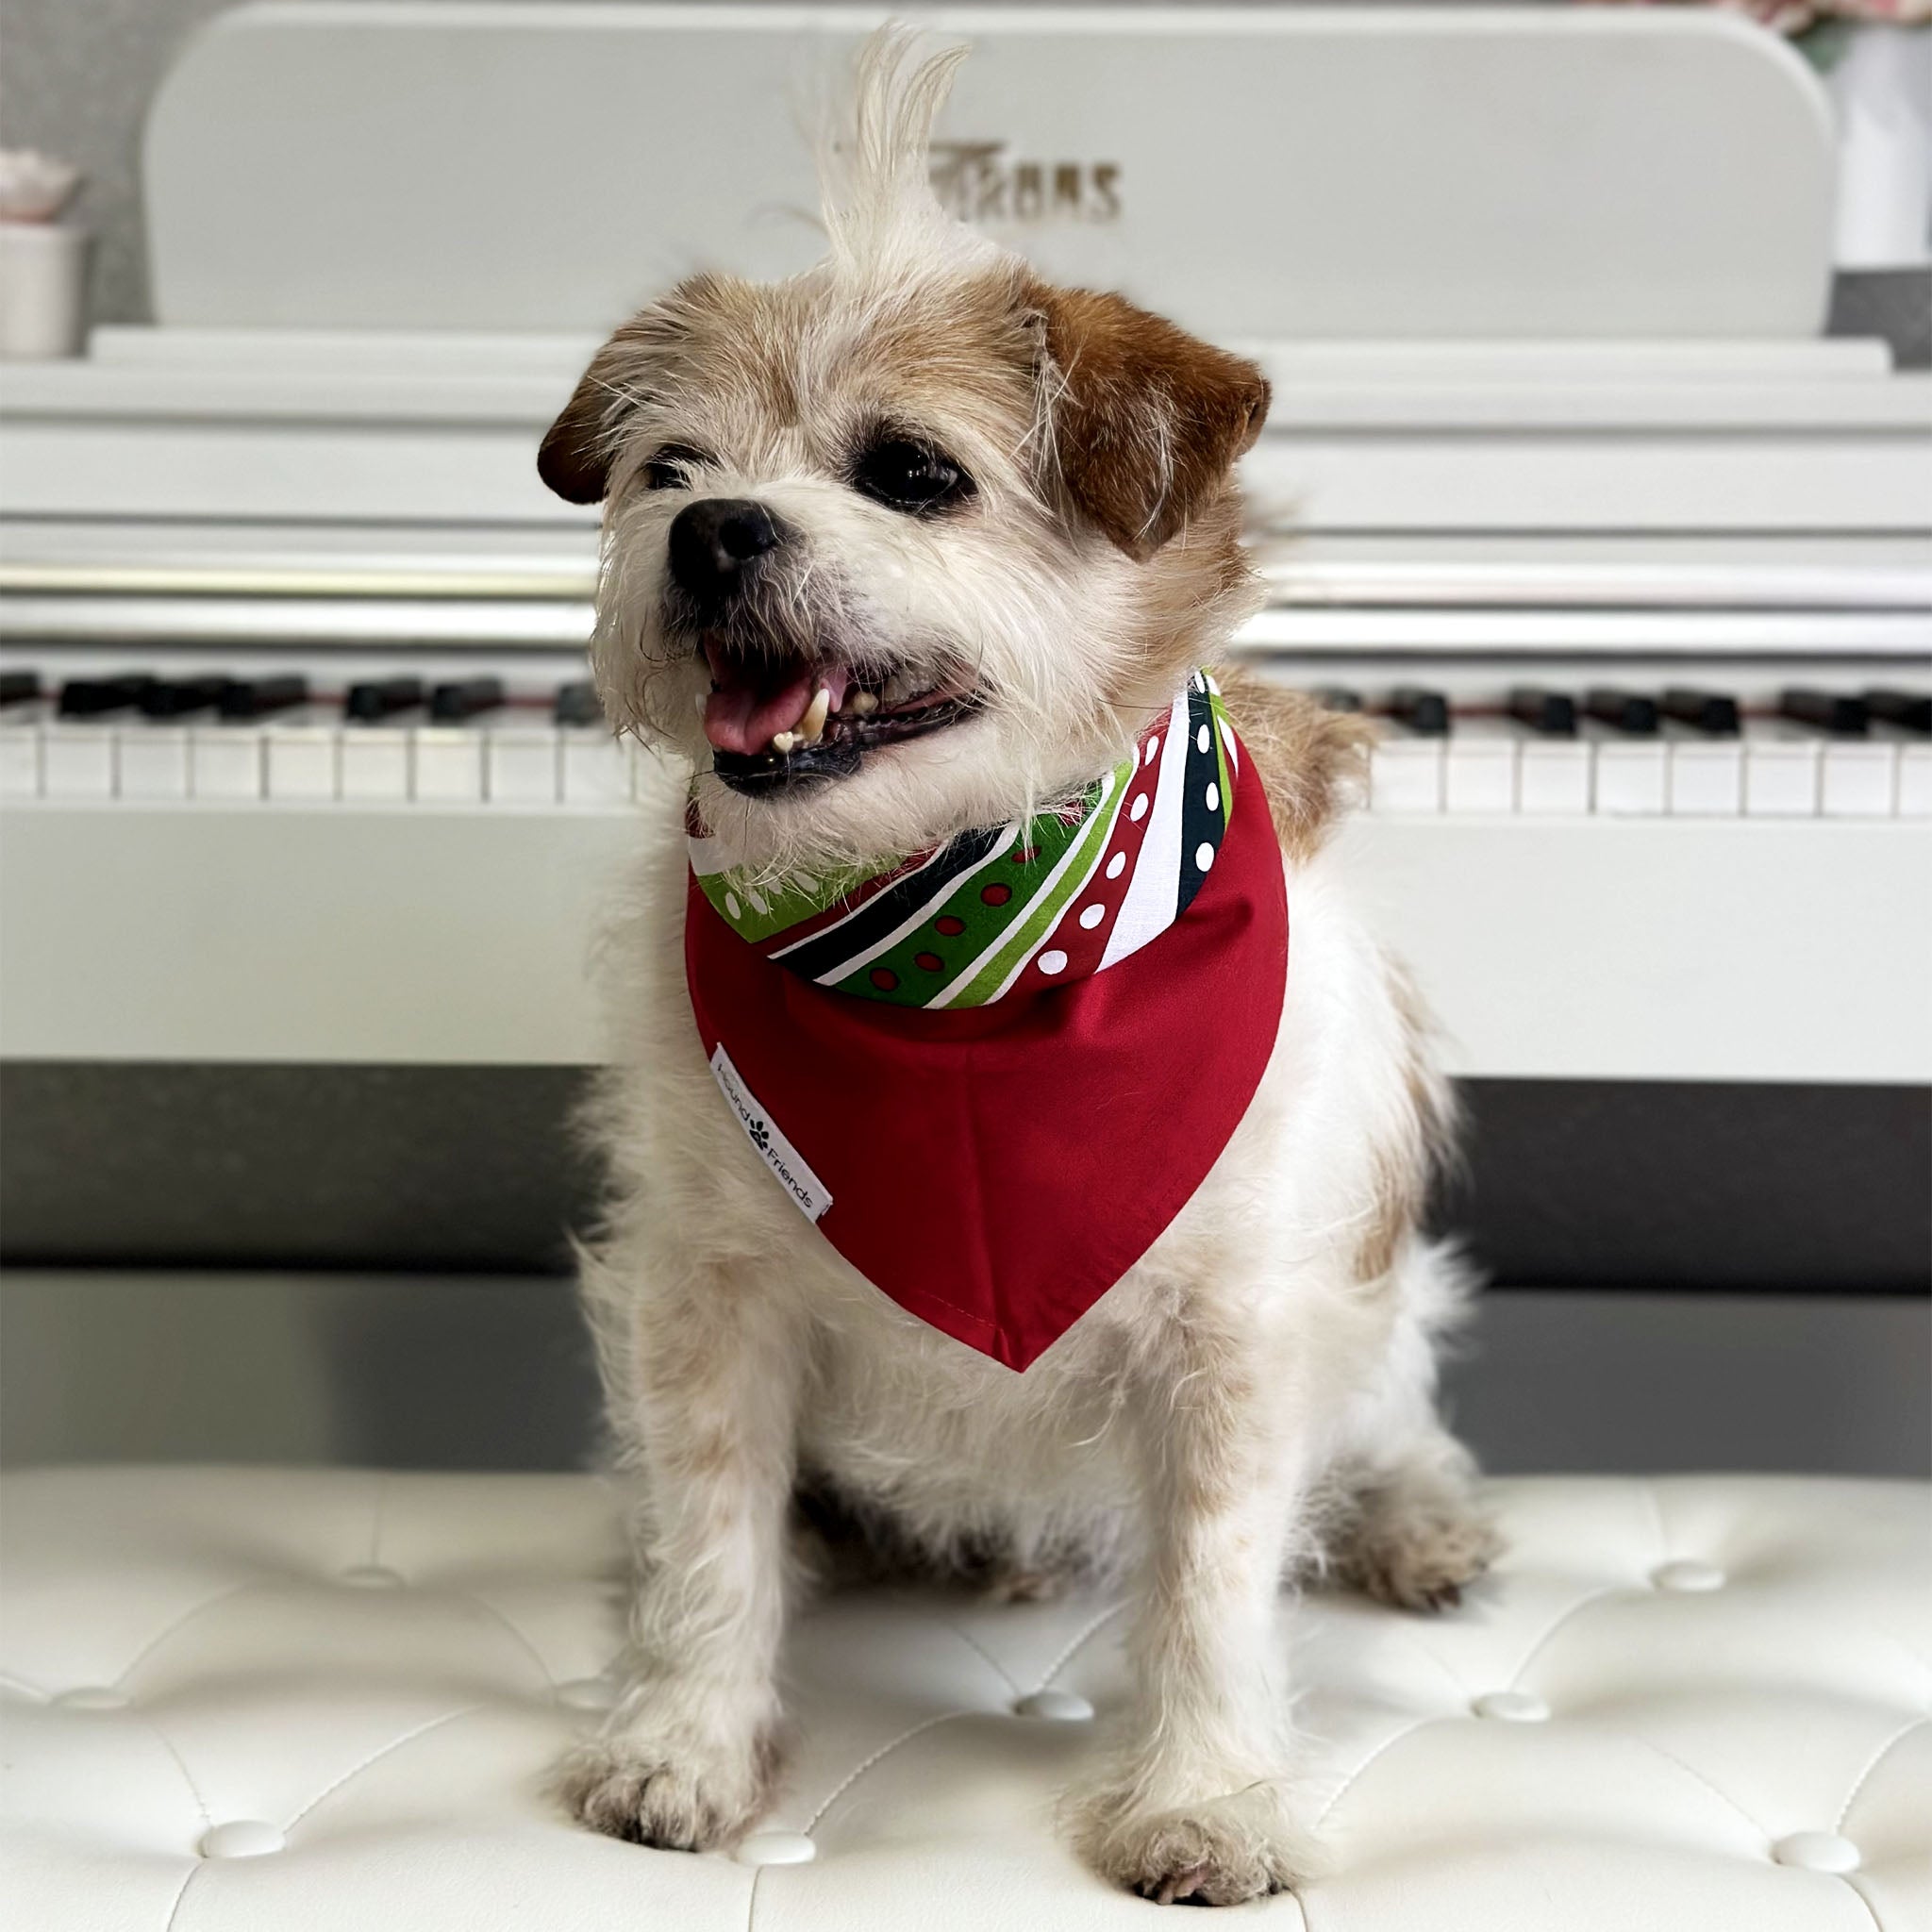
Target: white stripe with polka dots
(1147, 910)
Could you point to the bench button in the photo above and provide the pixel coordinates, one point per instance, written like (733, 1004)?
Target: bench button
(1061, 1706)
(1817, 1850)
(1512, 1706)
(1688, 1573)
(241, 1838)
(373, 1576)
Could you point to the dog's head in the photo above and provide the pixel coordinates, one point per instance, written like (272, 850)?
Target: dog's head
(911, 542)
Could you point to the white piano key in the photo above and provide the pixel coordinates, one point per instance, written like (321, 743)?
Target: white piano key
(77, 761)
(448, 764)
(1631, 775)
(20, 760)
(521, 766)
(1707, 777)
(224, 762)
(1781, 772)
(1915, 781)
(301, 761)
(374, 764)
(154, 761)
(1857, 778)
(1479, 767)
(1405, 774)
(596, 767)
(1553, 778)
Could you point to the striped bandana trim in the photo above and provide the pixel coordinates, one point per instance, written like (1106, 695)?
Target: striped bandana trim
(1009, 908)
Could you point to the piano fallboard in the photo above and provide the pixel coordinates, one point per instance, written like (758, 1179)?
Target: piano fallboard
(1597, 948)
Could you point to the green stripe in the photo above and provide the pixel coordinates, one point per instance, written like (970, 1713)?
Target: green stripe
(1220, 711)
(1095, 834)
(916, 984)
(785, 906)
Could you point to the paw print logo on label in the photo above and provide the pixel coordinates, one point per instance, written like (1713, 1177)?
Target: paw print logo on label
(810, 1195)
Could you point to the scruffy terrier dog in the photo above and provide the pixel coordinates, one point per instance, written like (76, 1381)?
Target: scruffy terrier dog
(906, 547)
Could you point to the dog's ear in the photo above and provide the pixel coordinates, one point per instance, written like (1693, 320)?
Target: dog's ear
(577, 450)
(1147, 421)
(575, 455)
(574, 459)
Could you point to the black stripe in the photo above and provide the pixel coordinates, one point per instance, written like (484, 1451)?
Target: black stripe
(884, 910)
(1199, 827)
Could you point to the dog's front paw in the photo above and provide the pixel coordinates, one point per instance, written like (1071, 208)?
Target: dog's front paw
(681, 1798)
(1220, 1850)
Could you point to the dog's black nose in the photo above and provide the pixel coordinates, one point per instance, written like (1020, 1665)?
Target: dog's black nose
(712, 542)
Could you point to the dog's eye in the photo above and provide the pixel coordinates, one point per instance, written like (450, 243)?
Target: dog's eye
(670, 468)
(909, 477)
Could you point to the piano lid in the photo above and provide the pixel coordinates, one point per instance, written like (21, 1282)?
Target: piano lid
(1255, 172)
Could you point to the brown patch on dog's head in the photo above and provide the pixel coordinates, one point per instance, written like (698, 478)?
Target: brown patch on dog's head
(1148, 422)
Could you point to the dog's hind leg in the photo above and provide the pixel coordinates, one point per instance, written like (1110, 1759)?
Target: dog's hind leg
(1412, 1531)
(1403, 1517)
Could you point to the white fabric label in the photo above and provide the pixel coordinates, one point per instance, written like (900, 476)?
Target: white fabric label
(811, 1193)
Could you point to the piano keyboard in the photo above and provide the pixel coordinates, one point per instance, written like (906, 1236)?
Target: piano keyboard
(141, 738)
(1685, 751)
(404, 739)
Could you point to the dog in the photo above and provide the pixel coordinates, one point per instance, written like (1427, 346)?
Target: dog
(908, 546)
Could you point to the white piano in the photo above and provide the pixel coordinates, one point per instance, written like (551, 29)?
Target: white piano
(1560, 478)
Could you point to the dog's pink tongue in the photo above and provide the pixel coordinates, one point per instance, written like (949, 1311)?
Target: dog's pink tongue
(741, 717)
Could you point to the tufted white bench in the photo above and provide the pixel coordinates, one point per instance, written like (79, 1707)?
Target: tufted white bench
(284, 1701)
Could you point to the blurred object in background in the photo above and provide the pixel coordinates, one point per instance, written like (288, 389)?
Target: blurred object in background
(1799, 16)
(43, 258)
(1881, 81)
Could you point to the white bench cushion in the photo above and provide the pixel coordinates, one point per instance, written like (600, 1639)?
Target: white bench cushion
(324, 1700)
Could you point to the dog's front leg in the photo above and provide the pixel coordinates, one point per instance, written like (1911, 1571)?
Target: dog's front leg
(1193, 1804)
(705, 1406)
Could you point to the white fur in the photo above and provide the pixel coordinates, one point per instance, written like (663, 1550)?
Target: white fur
(1240, 1407)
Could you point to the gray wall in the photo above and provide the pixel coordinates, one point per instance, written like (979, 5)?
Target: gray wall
(467, 1371)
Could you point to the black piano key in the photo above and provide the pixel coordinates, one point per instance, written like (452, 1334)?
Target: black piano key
(1424, 712)
(18, 686)
(1337, 697)
(1908, 710)
(91, 697)
(174, 697)
(1829, 711)
(259, 697)
(576, 703)
(1627, 711)
(1709, 712)
(464, 697)
(1549, 713)
(382, 697)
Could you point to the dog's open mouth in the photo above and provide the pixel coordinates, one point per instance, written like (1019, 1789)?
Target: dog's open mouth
(776, 720)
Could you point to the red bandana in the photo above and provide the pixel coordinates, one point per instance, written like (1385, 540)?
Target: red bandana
(995, 1168)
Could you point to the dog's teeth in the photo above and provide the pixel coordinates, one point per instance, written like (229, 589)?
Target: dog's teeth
(811, 727)
(863, 703)
(703, 702)
(785, 742)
